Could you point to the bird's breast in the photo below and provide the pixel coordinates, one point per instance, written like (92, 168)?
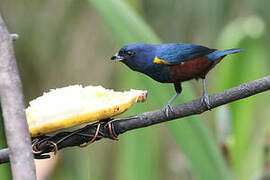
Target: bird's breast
(157, 72)
(196, 68)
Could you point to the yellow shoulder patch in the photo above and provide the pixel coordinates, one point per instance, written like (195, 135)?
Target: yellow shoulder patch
(160, 61)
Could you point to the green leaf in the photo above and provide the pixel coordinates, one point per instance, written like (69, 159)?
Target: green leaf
(138, 154)
(249, 123)
(196, 141)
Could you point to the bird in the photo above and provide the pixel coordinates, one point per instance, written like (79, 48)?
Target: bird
(173, 63)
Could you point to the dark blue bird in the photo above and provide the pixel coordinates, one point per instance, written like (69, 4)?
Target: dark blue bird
(172, 63)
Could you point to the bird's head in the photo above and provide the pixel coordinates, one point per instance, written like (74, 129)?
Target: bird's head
(136, 56)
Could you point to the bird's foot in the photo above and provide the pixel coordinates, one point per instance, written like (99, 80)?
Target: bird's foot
(205, 101)
(168, 110)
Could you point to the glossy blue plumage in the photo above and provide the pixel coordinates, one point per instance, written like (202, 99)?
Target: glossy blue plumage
(176, 53)
(142, 61)
(173, 53)
(172, 63)
(219, 54)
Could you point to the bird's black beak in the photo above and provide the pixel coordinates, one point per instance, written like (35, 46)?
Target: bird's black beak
(117, 57)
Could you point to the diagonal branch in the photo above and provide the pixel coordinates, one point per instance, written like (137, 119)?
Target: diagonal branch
(47, 144)
(196, 106)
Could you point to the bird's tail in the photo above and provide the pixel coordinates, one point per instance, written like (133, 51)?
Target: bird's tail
(219, 54)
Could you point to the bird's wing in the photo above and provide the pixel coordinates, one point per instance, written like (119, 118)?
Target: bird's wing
(172, 54)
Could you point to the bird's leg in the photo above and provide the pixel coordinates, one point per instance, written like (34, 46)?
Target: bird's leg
(168, 107)
(205, 98)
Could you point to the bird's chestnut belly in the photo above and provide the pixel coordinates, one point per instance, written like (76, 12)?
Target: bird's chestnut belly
(196, 68)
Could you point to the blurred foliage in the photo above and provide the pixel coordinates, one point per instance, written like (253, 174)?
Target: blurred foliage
(248, 119)
(214, 167)
(70, 42)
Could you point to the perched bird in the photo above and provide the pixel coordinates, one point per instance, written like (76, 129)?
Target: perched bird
(172, 63)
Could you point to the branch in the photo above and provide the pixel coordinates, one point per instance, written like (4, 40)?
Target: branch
(16, 128)
(196, 106)
(113, 128)
(4, 155)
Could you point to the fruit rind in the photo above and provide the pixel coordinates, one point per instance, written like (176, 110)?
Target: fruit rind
(73, 105)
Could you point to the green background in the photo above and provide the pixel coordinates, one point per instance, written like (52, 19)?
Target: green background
(68, 42)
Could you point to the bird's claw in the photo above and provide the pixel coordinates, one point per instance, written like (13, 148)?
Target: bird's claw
(205, 101)
(167, 110)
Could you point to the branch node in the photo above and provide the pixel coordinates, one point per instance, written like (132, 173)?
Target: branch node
(14, 36)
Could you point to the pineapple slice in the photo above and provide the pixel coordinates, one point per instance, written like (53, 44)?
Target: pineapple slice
(73, 105)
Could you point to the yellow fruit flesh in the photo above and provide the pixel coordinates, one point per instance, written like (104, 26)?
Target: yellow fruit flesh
(74, 105)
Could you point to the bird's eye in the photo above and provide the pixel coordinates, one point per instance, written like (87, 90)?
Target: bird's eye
(121, 52)
(130, 53)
